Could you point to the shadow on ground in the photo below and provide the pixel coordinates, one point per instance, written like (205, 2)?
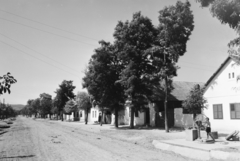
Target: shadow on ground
(22, 156)
(147, 128)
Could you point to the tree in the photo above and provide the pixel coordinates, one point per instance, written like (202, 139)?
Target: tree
(175, 27)
(195, 101)
(35, 106)
(5, 83)
(227, 12)
(101, 79)
(64, 93)
(84, 103)
(133, 39)
(46, 104)
(70, 107)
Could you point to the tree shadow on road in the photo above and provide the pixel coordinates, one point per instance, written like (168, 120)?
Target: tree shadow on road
(3, 132)
(21, 156)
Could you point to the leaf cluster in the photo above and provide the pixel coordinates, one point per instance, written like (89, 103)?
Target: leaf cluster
(195, 100)
(63, 94)
(5, 83)
(227, 12)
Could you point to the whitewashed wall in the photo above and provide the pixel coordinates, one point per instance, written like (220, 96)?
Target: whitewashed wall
(182, 120)
(94, 117)
(223, 90)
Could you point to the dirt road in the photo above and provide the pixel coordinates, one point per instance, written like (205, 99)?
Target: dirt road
(43, 140)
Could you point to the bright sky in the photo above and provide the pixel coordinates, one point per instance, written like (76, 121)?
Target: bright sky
(43, 42)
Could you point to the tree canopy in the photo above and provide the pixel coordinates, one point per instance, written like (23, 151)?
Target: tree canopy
(227, 12)
(102, 75)
(133, 39)
(195, 101)
(63, 94)
(84, 103)
(71, 106)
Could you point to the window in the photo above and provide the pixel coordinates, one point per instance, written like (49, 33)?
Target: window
(235, 110)
(95, 114)
(217, 111)
(232, 75)
(229, 75)
(92, 114)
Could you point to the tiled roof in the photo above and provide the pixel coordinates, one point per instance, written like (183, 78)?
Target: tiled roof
(182, 89)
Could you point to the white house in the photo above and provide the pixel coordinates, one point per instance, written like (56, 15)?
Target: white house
(124, 117)
(223, 96)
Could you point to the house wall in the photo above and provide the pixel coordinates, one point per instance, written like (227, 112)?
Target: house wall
(94, 114)
(182, 120)
(157, 118)
(138, 121)
(121, 118)
(223, 90)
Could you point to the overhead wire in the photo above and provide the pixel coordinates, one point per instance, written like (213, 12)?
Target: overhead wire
(39, 59)
(48, 25)
(48, 32)
(38, 52)
(67, 38)
(188, 67)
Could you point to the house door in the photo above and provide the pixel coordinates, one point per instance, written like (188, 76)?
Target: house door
(147, 118)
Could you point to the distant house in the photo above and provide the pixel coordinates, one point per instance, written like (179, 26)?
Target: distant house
(223, 96)
(153, 114)
(124, 117)
(96, 115)
(176, 117)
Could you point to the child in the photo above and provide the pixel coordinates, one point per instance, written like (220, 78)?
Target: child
(208, 129)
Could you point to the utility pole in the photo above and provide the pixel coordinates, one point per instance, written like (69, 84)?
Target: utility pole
(166, 94)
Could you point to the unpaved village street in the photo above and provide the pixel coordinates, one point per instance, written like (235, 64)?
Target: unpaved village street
(45, 140)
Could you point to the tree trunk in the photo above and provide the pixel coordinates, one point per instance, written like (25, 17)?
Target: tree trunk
(132, 118)
(165, 105)
(62, 115)
(101, 118)
(86, 117)
(194, 117)
(116, 117)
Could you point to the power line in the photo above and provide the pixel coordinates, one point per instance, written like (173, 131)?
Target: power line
(196, 68)
(47, 32)
(49, 25)
(200, 64)
(38, 52)
(38, 58)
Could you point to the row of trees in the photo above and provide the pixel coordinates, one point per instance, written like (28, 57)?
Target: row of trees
(141, 60)
(65, 101)
(6, 111)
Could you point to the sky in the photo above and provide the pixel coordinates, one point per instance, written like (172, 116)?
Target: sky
(43, 42)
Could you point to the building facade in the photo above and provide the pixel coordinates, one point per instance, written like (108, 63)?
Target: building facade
(223, 97)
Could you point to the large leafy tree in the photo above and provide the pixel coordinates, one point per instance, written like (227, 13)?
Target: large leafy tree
(133, 38)
(46, 104)
(5, 83)
(63, 94)
(101, 76)
(175, 27)
(84, 103)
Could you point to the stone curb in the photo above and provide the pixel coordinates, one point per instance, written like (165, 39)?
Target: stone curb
(196, 153)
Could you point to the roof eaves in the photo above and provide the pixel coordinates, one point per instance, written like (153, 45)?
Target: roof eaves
(218, 70)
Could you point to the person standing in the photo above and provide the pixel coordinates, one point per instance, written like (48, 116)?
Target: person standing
(208, 129)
